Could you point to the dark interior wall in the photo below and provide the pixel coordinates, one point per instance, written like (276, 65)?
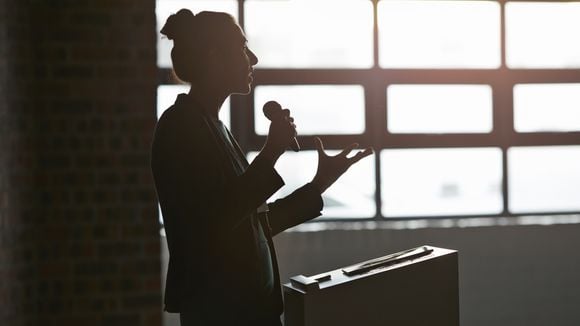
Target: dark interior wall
(79, 238)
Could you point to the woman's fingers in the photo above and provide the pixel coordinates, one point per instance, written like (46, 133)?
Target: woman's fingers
(290, 120)
(319, 145)
(348, 149)
(362, 154)
(351, 160)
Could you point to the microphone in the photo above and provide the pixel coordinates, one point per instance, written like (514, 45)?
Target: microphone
(272, 111)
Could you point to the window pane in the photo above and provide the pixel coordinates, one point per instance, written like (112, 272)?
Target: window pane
(544, 179)
(352, 196)
(439, 109)
(310, 33)
(542, 34)
(164, 9)
(317, 109)
(439, 34)
(547, 107)
(437, 182)
(166, 95)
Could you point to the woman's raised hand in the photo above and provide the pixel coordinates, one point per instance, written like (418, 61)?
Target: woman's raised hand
(330, 168)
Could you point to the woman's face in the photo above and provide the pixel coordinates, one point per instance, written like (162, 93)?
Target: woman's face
(235, 67)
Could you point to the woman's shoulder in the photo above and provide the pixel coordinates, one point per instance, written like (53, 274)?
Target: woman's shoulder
(182, 116)
(181, 125)
(182, 110)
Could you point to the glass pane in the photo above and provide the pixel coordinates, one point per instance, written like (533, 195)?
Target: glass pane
(542, 34)
(439, 109)
(317, 109)
(544, 179)
(439, 34)
(164, 9)
(310, 33)
(442, 181)
(166, 95)
(352, 196)
(547, 107)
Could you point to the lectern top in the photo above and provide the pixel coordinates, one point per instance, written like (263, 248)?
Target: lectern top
(365, 269)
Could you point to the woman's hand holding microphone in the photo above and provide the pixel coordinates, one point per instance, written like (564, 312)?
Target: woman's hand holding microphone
(282, 135)
(282, 132)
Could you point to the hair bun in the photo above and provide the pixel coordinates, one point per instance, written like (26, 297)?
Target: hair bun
(178, 24)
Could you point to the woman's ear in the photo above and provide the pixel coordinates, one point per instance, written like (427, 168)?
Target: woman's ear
(214, 64)
(214, 58)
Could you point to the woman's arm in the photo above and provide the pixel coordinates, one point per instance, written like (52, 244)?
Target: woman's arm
(188, 163)
(302, 205)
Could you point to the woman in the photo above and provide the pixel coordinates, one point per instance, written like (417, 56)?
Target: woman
(222, 268)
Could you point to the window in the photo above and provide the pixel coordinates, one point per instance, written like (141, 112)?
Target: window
(550, 44)
(547, 107)
(472, 106)
(317, 109)
(441, 181)
(544, 179)
(439, 34)
(439, 109)
(310, 34)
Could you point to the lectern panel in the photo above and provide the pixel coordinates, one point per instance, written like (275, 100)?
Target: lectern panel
(417, 288)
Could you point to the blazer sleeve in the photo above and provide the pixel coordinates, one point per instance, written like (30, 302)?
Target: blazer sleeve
(194, 175)
(302, 205)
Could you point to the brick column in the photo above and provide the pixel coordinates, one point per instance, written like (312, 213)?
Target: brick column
(79, 237)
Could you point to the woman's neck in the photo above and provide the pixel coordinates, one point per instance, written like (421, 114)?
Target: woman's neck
(210, 100)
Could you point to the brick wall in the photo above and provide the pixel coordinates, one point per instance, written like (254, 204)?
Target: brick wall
(79, 239)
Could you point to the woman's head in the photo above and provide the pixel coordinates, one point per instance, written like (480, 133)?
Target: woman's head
(210, 47)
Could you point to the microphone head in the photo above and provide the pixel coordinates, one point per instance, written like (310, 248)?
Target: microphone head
(271, 109)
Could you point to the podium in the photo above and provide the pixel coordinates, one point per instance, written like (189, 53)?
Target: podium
(415, 287)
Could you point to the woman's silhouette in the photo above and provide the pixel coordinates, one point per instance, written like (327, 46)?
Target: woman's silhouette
(222, 267)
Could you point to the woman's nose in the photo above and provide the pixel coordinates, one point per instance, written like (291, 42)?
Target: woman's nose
(253, 57)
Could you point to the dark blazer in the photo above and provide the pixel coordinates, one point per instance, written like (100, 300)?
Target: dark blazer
(209, 206)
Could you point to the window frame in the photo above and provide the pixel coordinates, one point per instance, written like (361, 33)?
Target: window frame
(375, 81)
